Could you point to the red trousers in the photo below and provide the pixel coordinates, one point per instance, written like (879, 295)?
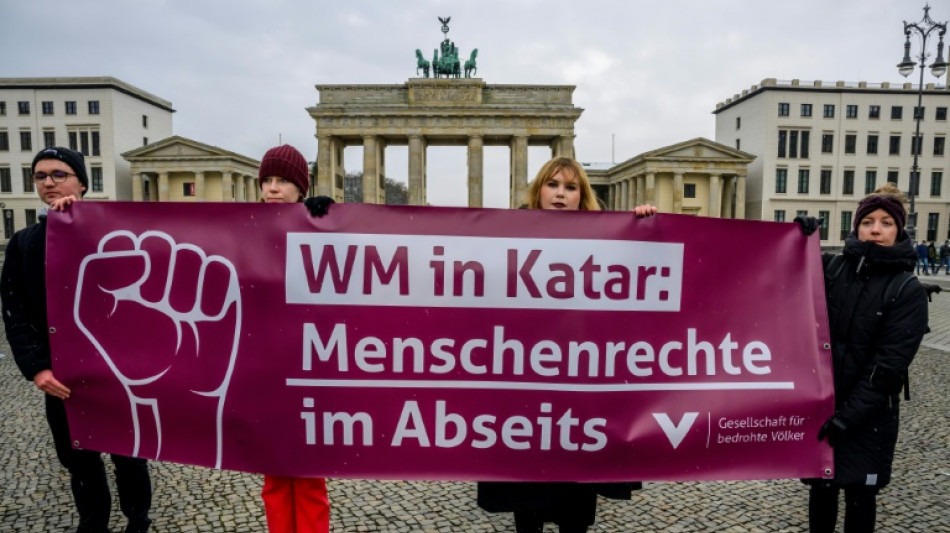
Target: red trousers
(296, 504)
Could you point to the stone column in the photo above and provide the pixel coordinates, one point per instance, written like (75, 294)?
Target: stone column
(715, 195)
(329, 165)
(678, 192)
(253, 190)
(625, 195)
(370, 170)
(650, 189)
(730, 187)
(162, 186)
(382, 169)
(641, 189)
(476, 157)
(226, 181)
(199, 186)
(563, 146)
(417, 169)
(137, 183)
(519, 169)
(613, 197)
(740, 197)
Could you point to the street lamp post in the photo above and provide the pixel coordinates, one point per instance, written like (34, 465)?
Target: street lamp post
(923, 29)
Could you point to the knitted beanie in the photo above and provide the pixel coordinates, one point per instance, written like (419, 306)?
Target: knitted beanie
(74, 159)
(893, 206)
(285, 162)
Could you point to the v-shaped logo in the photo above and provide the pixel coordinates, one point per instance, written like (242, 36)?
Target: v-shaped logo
(676, 433)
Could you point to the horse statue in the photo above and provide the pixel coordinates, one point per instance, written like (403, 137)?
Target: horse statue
(421, 63)
(470, 65)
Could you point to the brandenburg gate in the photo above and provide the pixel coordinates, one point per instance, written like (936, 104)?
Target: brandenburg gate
(427, 112)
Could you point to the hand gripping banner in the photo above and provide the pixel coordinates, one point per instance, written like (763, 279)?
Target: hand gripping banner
(441, 343)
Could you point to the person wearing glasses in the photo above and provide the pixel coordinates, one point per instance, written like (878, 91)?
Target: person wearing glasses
(60, 178)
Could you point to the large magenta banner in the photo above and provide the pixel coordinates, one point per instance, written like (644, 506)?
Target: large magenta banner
(441, 343)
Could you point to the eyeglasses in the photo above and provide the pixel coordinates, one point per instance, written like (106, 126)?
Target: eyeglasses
(58, 176)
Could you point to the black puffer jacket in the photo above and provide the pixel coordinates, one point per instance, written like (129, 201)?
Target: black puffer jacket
(873, 344)
(23, 295)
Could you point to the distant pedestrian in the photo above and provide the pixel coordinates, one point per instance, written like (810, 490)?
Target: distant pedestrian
(877, 313)
(932, 257)
(944, 258)
(59, 177)
(922, 257)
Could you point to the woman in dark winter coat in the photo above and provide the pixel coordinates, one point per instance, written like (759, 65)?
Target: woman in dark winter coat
(877, 313)
(562, 185)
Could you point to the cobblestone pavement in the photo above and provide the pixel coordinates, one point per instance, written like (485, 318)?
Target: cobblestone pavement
(34, 494)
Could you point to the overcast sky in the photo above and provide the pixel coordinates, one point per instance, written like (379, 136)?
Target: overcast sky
(241, 73)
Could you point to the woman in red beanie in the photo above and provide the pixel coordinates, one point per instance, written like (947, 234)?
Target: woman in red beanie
(292, 504)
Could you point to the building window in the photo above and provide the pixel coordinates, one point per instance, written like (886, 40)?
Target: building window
(895, 147)
(3, 109)
(803, 174)
(145, 122)
(8, 223)
(781, 180)
(84, 142)
(806, 110)
(851, 111)
(738, 144)
(804, 150)
(188, 188)
(872, 144)
(96, 179)
(939, 145)
(918, 113)
(936, 183)
(79, 140)
(95, 142)
(23, 108)
(915, 144)
(93, 107)
(847, 187)
(850, 141)
(941, 113)
(845, 224)
(874, 111)
(47, 108)
(824, 185)
(144, 141)
(793, 143)
(779, 215)
(827, 142)
(933, 220)
(782, 137)
(26, 141)
(49, 139)
(4, 141)
(897, 112)
(870, 181)
(71, 108)
(801, 213)
(829, 111)
(30, 216)
(689, 190)
(823, 216)
(891, 178)
(73, 144)
(28, 183)
(6, 184)
(783, 109)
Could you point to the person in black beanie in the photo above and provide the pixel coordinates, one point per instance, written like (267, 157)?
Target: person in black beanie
(59, 176)
(877, 314)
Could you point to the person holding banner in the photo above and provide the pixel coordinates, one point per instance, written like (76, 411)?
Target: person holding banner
(291, 504)
(561, 185)
(877, 312)
(60, 178)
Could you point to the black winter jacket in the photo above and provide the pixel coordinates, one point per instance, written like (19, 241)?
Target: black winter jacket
(23, 296)
(873, 344)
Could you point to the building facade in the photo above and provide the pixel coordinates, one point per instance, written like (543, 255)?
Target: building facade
(102, 117)
(820, 147)
(178, 169)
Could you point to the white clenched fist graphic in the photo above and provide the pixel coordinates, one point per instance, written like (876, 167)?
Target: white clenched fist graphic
(166, 318)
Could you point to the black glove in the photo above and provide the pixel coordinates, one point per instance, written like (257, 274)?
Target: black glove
(834, 428)
(318, 205)
(808, 224)
(931, 290)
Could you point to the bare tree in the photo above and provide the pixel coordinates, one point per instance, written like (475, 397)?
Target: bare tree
(396, 192)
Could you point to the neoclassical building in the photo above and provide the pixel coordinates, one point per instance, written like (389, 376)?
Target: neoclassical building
(695, 177)
(177, 169)
(429, 112)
